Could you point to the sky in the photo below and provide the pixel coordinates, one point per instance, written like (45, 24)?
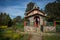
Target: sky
(17, 7)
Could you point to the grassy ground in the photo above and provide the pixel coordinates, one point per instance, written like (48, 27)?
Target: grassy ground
(11, 35)
(55, 37)
(20, 27)
(3, 27)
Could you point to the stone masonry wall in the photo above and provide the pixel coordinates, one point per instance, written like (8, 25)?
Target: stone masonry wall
(49, 29)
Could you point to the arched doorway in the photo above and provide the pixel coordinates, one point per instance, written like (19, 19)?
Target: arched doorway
(36, 20)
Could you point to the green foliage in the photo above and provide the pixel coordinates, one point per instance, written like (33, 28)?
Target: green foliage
(53, 37)
(3, 27)
(25, 37)
(50, 24)
(58, 0)
(20, 26)
(17, 20)
(29, 6)
(9, 34)
(10, 23)
(4, 18)
(58, 28)
(53, 9)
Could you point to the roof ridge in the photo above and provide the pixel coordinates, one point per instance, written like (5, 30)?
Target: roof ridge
(34, 7)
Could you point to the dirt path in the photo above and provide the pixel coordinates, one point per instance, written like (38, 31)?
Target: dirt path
(36, 36)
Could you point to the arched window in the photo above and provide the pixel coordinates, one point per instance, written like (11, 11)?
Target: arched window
(37, 19)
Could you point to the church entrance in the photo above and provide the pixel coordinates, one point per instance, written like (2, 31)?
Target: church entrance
(36, 21)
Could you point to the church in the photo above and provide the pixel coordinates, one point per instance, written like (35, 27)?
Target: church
(34, 20)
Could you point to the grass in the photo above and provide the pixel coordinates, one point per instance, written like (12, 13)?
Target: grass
(3, 27)
(53, 37)
(10, 34)
(7, 34)
(20, 27)
(25, 37)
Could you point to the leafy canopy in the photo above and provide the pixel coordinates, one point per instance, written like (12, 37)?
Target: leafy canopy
(29, 6)
(53, 9)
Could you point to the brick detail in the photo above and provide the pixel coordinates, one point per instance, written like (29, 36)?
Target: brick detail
(25, 23)
(43, 23)
(54, 23)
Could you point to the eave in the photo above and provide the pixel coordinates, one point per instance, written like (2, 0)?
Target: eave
(35, 15)
(33, 10)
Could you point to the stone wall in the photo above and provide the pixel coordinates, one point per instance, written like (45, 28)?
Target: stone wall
(32, 29)
(29, 29)
(49, 29)
(41, 20)
(31, 19)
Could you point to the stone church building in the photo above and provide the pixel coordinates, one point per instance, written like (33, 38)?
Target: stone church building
(35, 20)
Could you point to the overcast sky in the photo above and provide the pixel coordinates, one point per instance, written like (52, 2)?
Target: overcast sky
(17, 7)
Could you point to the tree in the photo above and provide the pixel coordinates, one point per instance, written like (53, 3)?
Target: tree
(29, 6)
(17, 20)
(53, 10)
(1, 18)
(4, 18)
(10, 23)
(58, 0)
